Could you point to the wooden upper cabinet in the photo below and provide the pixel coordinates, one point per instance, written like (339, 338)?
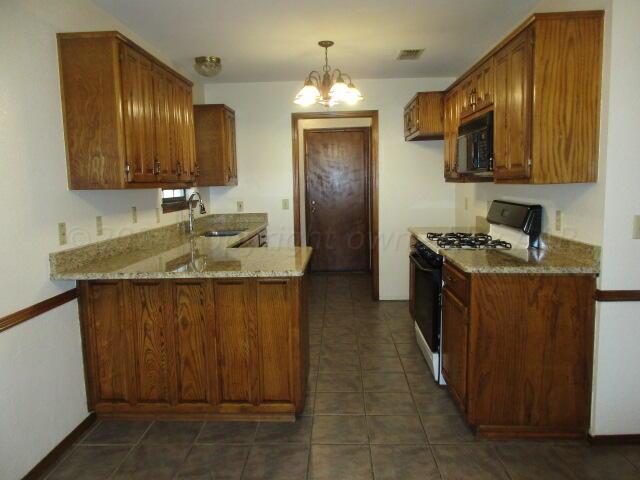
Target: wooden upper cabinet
(512, 116)
(215, 133)
(424, 117)
(127, 116)
(543, 82)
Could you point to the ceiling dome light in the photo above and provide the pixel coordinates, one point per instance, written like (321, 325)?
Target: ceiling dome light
(208, 66)
(329, 87)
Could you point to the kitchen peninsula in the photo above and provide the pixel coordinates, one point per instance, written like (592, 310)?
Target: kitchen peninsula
(189, 325)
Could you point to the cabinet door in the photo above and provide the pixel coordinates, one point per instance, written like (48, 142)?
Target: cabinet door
(153, 341)
(407, 122)
(275, 339)
(138, 115)
(185, 136)
(455, 337)
(162, 94)
(236, 337)
(193, 323)
(106, 331)
(451, 103)
(512, 115)
(467, 89)
(229, 148)
(484, 84)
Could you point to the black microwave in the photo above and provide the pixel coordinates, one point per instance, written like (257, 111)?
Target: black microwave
(475, 146)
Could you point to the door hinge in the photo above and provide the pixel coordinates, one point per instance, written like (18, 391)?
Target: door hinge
(127, 172)
(529, 162)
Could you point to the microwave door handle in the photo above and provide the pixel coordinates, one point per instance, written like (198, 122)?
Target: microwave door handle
(475, 161)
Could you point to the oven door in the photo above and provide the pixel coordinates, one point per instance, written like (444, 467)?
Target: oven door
(428, 286)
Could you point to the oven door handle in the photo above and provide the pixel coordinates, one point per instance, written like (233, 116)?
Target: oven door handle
(416, 260)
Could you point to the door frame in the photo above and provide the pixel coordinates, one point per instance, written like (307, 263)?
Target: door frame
(373, 180)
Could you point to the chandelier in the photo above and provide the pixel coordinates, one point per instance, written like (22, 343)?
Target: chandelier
(328, 88)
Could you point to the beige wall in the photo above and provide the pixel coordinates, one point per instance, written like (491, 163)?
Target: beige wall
(411, 191)
(42, 395)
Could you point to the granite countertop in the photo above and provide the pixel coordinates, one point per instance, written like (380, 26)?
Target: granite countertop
(561, 256)
(168, 252)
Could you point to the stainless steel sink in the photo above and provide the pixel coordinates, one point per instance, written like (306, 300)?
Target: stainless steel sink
(221, 233)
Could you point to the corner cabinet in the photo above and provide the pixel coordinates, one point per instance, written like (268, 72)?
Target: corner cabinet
(195, 346)
(424, 117)
(128, 118)
(215, 133)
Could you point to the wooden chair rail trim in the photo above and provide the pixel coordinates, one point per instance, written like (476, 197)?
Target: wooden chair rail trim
(39, 308)
(617, 295)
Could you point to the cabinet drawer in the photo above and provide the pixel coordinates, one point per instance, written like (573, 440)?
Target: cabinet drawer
(457, 281)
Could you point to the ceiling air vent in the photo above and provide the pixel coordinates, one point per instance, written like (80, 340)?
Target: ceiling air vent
(410, 54)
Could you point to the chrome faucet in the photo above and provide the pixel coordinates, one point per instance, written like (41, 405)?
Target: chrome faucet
(202, 209)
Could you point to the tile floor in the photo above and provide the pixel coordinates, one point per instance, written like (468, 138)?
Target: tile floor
(372, 411)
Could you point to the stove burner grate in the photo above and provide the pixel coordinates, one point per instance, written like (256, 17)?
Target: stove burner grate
(474, 241)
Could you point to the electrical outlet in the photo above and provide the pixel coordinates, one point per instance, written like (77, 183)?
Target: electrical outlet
(558, 220)
(62, 233)
(99, 225)
(285, 204)
(466, 203)
(134, 215)
(636, 227)
(240, 206)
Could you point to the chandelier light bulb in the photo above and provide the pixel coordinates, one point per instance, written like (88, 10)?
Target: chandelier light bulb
(353, 95)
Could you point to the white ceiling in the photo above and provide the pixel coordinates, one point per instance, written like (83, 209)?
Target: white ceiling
(262, 40)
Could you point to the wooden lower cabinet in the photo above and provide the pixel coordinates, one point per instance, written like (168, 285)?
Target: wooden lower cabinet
(195, 346)
(517, 355)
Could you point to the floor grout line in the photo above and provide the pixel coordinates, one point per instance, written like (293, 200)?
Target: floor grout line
(131, 450)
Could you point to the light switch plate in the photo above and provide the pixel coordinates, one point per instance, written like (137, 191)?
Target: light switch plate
(134, 215)
(558, 220)
(62, 233)
(99, 225)
(285, 204)
(240, 206)
(636, 227)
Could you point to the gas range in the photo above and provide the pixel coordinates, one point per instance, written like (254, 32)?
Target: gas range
(473, 241)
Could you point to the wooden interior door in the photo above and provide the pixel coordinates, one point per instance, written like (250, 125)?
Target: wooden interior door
(337, 198)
